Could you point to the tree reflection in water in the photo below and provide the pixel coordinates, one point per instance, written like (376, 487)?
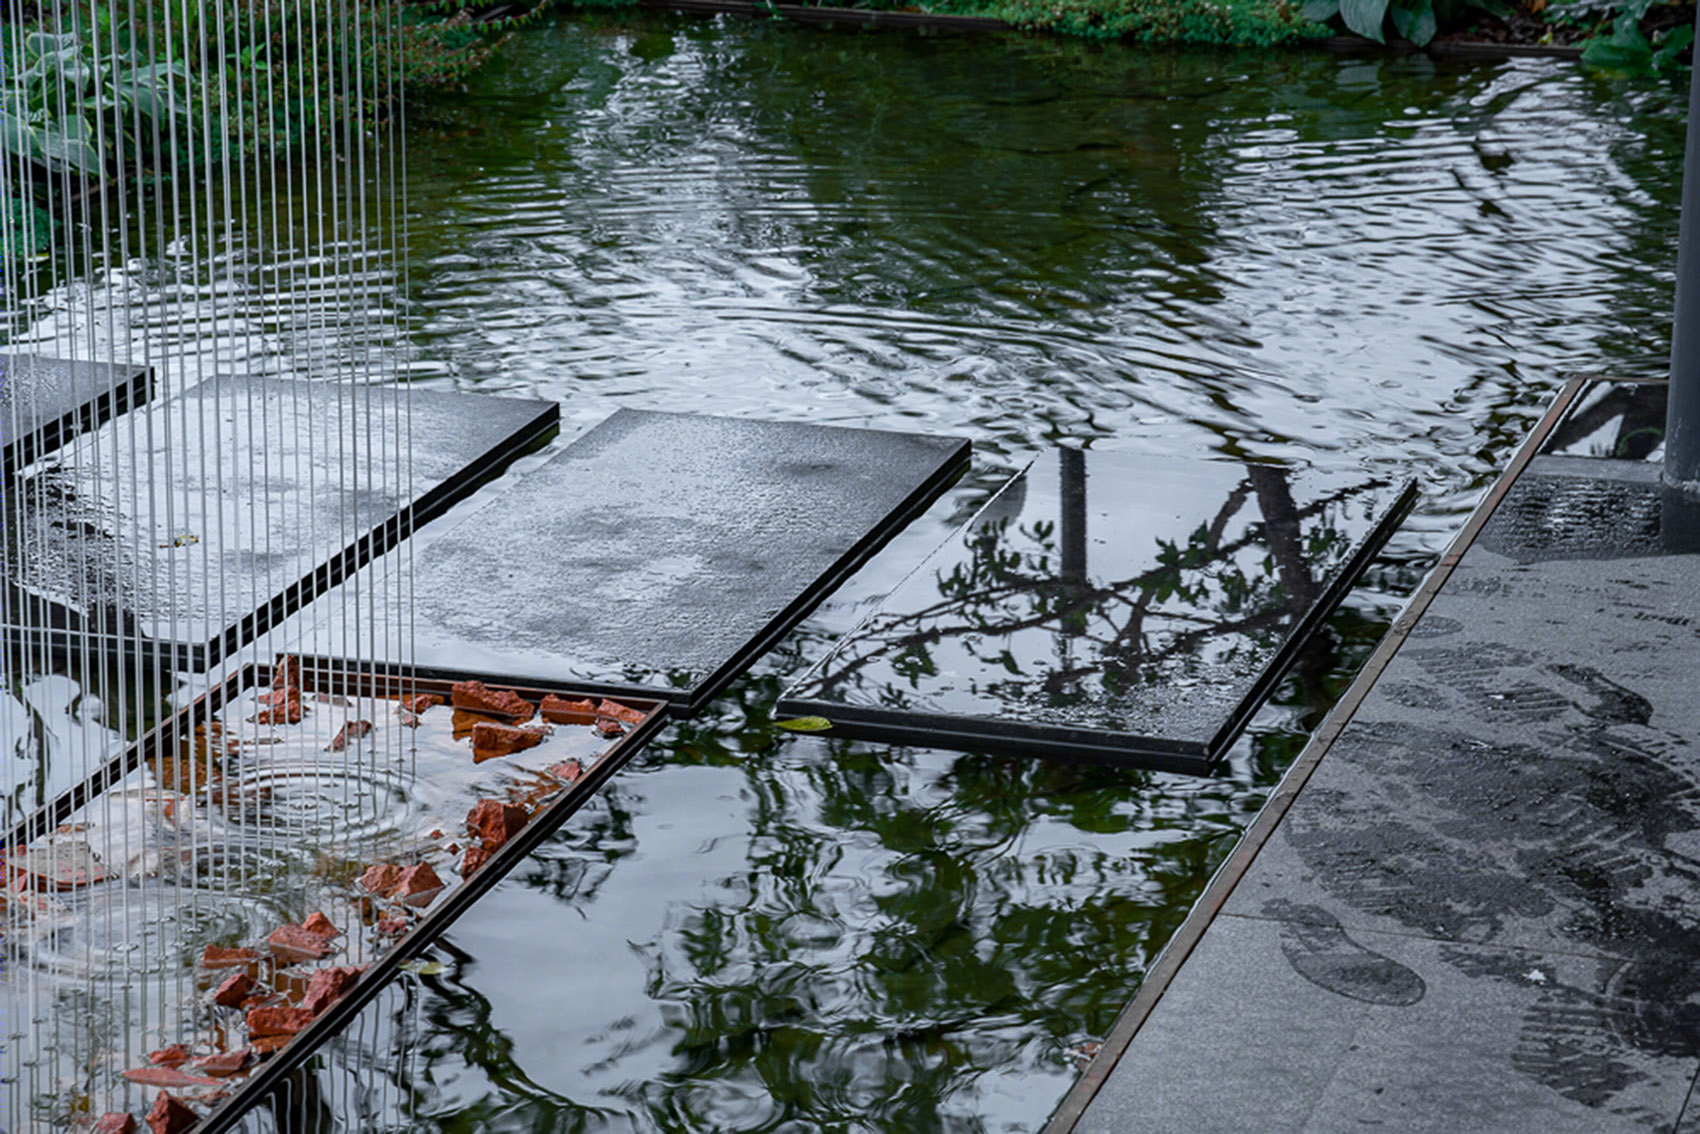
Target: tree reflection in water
(1146, 625)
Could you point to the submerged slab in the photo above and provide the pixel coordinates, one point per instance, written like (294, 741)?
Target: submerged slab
(44, 402)
(1111, 605)
(192, 527)
(661, 553)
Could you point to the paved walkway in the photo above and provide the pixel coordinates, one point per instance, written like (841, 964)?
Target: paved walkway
(1475, 904)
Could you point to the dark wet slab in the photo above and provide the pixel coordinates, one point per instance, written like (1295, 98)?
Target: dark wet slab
(1108, 604)
(659, 553)
(1512, 821)
(44, 402)
(192, 526)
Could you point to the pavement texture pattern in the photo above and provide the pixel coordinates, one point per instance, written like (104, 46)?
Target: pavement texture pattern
(1482, 911)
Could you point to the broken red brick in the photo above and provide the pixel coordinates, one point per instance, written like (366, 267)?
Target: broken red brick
(235, 989)
(351, 731)
(498, 702)
(319, 924)
(495, 822)
(174, 1056)
(475, 857)
(289, 712)
(114, 1122)
(559, 710)
(292, 943)
(380, 879)
(419, 702)
(621, 712)
(567, 771)
(171, 1116)
(287, 673)
(492, 740)
(418, 885)
(608, 728)
(277, 1021)
(224, 1063)
(167, 1077)
(220, 956)
(392, 926)
(408, 718)
(330, 985)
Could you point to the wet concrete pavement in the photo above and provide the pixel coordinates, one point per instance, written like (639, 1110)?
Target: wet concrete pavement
(1475, 903)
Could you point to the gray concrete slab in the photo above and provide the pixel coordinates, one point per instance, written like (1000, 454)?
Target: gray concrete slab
(193, 525)
(1113, 605)
(1479, 911)
(1296, 1024)
(44, 402)
(659, 554)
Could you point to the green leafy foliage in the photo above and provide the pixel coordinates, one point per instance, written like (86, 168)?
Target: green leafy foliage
(1632, 39)
(1416, 20)
(1240, 23)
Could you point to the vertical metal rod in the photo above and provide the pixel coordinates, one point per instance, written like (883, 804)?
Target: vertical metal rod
(1682, 413)
(1073, 514)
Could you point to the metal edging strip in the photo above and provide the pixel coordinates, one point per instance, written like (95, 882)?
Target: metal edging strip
(1228, 875)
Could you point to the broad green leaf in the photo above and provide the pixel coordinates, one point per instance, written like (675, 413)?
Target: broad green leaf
(1320, 11)
(1674, 43)
(18, 137)
(67, 145)
(1414, 19)
(805, 724)
(1625, 52)
(1365, 17)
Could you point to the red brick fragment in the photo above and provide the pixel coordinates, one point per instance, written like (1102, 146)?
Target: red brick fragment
(292, 943)
(495, 822)
(418, 885)
(221, 956)
(380, 879)
(173, 1056)
(329, 985)
(475, 857)
(167, 1077)
(224, 1063)
(392, 926)
(408, 718)
(289, 712)
(567, 771)
(319, 924)
(559, 710)
(235, 989)
(497, 702)
(277, 1021)
(492, 740)
(263, 1046)
(348, 733)
(115, 1122)
(608, 728)
(287, 673)
(621, 712)
(171, 1116)
(419, 702)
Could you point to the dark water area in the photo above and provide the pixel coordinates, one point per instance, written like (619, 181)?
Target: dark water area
(1386, 264)
(1381, 265)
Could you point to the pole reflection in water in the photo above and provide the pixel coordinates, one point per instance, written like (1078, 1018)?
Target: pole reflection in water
(1145, 624)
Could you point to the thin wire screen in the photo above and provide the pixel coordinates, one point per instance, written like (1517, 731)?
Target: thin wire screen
(201, 224)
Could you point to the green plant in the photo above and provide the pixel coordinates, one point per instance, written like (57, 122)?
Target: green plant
(1241, 23)
(1416, 20)
(1623, 43)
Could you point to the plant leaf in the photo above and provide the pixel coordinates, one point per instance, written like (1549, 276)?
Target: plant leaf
(1365, 17)
(805, 724)
(1320, 11)
(1414, 19)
